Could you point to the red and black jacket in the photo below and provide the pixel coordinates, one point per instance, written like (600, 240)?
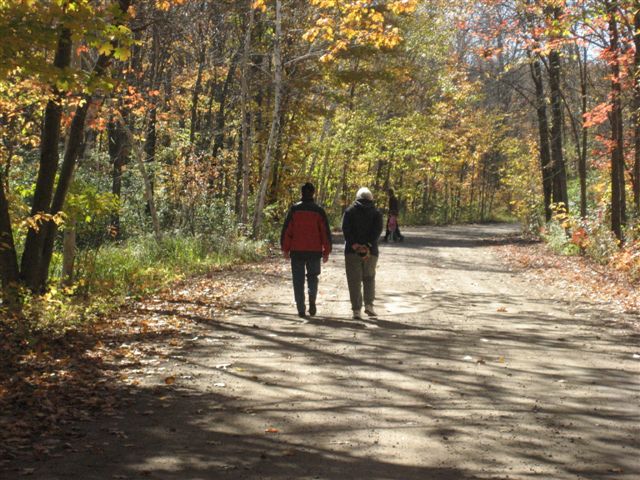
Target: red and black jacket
(306, 230)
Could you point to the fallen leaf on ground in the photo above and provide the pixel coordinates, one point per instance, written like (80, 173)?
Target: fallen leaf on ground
(272, 430)
(170, 380)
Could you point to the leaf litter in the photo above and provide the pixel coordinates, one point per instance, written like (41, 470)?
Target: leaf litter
(48, 385)
(576, 277)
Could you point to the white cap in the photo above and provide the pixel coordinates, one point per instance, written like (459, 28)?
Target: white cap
(364, 194)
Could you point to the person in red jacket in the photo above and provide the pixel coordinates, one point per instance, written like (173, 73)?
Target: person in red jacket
(305, 239)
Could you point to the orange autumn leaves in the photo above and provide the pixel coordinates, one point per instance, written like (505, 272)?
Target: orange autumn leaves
(167, 4)
(345, 23)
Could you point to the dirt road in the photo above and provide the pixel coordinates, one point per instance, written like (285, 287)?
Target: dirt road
(470, 372)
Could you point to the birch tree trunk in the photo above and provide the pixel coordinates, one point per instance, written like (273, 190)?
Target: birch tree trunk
(275, 123)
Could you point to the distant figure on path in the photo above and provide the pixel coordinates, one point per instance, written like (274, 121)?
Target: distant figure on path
(362, 226)
(305, 239)
(393, 228)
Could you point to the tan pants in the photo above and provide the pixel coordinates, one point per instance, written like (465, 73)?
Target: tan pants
(361, 275)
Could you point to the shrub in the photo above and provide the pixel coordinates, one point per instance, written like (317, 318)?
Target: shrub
(601, 244)
(109, 275)
(555, 235)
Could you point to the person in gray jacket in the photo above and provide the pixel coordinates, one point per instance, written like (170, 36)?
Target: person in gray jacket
(362, 227)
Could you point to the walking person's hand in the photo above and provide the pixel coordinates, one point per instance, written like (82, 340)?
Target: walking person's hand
(325, 258)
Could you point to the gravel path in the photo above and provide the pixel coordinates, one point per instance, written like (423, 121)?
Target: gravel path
(470, 372)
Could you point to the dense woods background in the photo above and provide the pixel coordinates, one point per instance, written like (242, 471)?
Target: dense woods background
(147, 140)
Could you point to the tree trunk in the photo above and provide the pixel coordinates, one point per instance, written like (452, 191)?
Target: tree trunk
(74, 143)
(380, 164)
(324, 177)
(246, 115)
(279, 157)
(222, 100)
(275, 123)
(196, 95)
(425, 198)
(49, 158)
(148, 192)
(582, 160)
(618, 201)
(559, 190)
(151, 136)
(9, 271)
(636, 112)
(69, 252)
(543, 136)
(238, 197)
(119, 151)
(150, 143)
(324, 145)
(342, 190)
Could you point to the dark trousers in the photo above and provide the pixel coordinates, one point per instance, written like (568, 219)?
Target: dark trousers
(299, 268)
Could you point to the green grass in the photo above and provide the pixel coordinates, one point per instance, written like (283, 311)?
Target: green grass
(118, 272)
(142, 265)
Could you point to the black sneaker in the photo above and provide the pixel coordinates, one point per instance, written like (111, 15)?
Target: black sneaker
(302, 315)
(312, 310)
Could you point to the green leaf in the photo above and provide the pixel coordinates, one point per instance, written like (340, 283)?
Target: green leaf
(121, 53)
(105, 48)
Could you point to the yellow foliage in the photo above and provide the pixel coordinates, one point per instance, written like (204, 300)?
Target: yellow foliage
(260, 5)
(344, 23)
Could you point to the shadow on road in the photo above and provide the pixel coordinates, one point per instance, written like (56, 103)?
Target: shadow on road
(505, 392)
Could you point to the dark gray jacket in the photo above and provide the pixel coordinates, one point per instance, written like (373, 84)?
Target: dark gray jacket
(362, 223)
